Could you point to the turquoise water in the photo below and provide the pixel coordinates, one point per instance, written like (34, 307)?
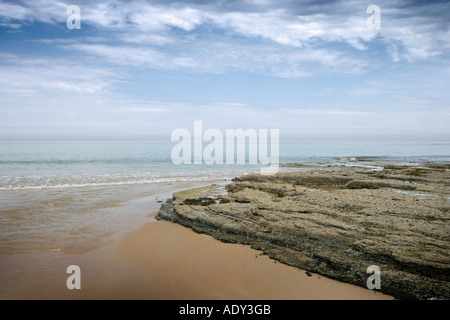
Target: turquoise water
(82, 164)
(70, 196)
(31, 165)
(419, 152)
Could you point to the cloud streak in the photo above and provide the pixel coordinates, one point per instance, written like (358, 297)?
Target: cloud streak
(301, 65)
(407, 35)
(39, 75)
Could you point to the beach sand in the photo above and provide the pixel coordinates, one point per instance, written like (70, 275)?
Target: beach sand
(342, 220)
(187, 265)
(163, 260)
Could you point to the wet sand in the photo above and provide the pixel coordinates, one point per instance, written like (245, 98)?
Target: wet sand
(186, 265)
(163, 260)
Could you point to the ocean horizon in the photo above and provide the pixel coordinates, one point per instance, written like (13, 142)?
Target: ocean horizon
(69, 196)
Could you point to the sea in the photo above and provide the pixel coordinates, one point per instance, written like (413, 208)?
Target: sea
(74, 197)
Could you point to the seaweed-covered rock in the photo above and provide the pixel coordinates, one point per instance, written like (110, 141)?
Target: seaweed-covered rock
(335, 223)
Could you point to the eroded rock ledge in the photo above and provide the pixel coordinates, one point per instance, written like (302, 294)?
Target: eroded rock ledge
(336, 222)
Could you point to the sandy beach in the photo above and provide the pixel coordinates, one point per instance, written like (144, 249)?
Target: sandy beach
(293, 236)
(162, 260)
(195, 266)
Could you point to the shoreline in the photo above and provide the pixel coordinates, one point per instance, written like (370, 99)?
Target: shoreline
(336, 222)
(165, 261)
(160, 260)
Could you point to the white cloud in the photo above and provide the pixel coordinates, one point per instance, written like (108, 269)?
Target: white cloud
(22, 74)
(13, 11)
(121, 40)
(286, 40)
(326, 112)
(136, 56)
(220, 57)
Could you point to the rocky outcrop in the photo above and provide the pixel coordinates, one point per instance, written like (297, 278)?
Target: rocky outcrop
(336, 222)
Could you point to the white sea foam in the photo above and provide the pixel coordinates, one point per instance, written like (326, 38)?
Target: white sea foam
(114, 183)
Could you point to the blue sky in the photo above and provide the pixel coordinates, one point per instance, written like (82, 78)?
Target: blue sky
(141, 69)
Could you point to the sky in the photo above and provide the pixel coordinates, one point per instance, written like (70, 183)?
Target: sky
(138, 70)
